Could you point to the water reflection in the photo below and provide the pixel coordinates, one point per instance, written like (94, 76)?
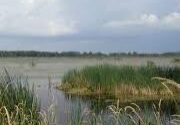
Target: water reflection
(99, 108)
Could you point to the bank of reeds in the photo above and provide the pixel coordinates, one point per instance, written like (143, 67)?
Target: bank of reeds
(176, 60)
(18, 103)
(19, 106)
(133, 114)
(108, 79)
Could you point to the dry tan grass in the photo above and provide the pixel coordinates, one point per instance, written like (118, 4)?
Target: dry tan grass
(166, 82)
(171, 86)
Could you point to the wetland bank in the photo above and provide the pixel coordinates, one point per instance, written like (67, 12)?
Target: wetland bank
(90, 62)
(62, 108)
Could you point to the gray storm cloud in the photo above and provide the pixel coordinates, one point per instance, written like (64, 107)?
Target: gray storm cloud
(89, 24)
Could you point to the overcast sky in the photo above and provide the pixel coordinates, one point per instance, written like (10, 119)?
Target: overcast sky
(90, 25)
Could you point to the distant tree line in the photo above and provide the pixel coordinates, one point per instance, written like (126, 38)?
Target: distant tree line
(79, 54)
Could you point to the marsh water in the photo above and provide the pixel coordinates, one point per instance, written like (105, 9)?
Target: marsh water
(42, 71)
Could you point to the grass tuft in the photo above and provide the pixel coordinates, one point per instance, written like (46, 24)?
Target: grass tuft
(111, 79)
(18, 103)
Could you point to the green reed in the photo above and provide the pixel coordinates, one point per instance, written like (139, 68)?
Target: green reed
(162, 112)
(108, 77)
(18, 104)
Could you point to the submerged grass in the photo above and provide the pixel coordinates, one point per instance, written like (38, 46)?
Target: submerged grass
(120, 80)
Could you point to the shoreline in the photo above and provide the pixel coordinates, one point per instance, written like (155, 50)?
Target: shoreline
(123, 98)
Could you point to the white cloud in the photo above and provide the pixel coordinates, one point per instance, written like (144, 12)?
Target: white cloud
(145, 19)
(60, 17)
(61, 27)
(35, 17)
(149, 19)
(170, 21)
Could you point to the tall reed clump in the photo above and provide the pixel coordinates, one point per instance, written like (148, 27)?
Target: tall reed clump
(18, 104)
(121, 79)
(176, 60)
(163, 112)
(133, 114)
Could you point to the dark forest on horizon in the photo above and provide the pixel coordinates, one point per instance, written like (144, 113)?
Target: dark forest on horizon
(81, 54)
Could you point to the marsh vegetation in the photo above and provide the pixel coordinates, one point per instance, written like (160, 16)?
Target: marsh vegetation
(176, 60)
(105, 80)
(119, 80)
(18, 103)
